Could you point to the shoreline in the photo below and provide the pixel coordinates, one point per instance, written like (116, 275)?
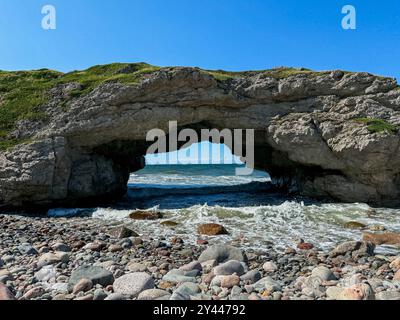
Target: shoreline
(91, 259)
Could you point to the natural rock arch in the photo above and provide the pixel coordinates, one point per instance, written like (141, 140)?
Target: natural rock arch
(328, 134)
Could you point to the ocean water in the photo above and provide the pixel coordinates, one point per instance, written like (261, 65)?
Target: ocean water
(255, 216)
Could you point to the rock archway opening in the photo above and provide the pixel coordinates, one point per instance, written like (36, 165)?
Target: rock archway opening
(202, 173)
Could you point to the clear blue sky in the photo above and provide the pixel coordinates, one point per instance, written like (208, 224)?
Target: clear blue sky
(226, 34)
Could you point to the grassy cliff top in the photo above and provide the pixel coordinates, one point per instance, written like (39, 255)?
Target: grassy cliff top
(22, 93)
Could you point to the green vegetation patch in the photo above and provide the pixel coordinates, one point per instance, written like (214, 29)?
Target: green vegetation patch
(277, 73)
(378, 125)
(22, 93)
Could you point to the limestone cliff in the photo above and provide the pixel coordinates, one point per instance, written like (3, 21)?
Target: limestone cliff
(320, 134)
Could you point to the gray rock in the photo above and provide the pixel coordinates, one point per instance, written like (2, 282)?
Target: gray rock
(133, 283)
(180, 276)
(136, 267)
(267, 283)
(270, 266)
(355, 248)
(26, 248)
(229, 267)
(122, 232)
(194, 265)
(185, 291)
(52, 258)
(323, 273)
(154, 294)
(99, 294)
(312, 287)
(388, 295)
(62, 247)
(97, 275)
(46, 273)
(222, 253)
(117, 297)
(252, 276)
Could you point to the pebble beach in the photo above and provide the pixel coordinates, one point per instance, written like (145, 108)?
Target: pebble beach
(84, 258)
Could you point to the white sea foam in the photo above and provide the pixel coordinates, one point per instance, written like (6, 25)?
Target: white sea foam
(322, 225)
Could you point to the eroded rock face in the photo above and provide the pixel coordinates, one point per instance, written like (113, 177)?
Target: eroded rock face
(307, 137)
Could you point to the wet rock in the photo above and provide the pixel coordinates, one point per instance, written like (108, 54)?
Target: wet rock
(211, 229)
(390, 238)
(133, 283)
(323, 273)
(97, 275)
(354, 225)
(305, 246)
(229, 267)
(154, 294)
(222, 253)
(354, 248)
(145, 215)
(169, 223)
(377, 227)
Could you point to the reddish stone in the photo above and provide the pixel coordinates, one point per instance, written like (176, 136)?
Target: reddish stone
(211, 229)
(305, 246)
(202, 242)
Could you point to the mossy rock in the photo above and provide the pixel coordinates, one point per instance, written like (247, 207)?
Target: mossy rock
(24, 93)
(169, 223)
(145, 215)
(378, 125)
(354, 225)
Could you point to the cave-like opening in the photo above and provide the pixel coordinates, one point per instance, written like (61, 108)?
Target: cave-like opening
(204, 172)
